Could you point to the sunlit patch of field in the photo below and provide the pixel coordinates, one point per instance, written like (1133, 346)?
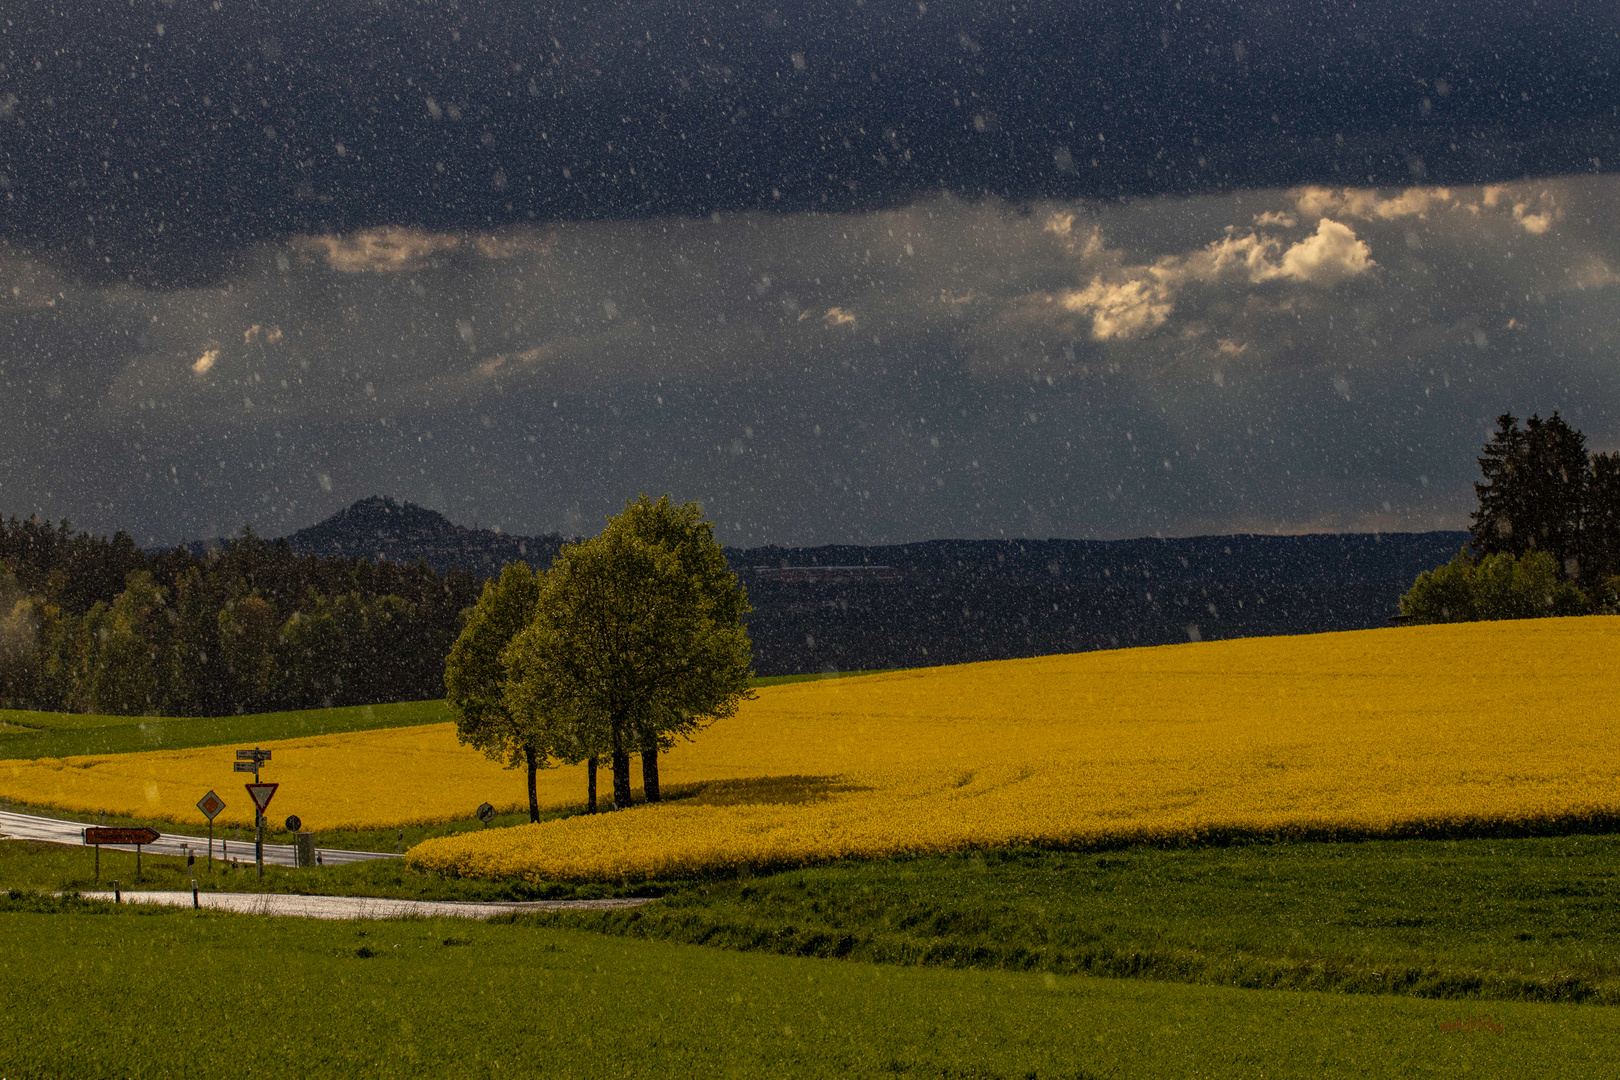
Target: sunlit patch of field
(1444, 730)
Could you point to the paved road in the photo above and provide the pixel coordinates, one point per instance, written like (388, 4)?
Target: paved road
(55, 831)
(353, 907)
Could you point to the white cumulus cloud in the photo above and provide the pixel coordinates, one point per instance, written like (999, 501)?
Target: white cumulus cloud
(1138, 300)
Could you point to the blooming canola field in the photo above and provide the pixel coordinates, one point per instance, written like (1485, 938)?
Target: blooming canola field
(1406, 731)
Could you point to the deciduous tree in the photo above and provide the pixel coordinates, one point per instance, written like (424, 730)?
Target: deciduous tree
(628, 639)
(689, 536)
(1498, 586)
(475, 676)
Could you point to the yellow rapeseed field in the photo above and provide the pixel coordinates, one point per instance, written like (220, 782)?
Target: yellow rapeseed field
(1379, 732)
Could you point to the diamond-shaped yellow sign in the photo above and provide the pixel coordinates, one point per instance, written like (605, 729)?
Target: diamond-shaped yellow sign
(211, 804)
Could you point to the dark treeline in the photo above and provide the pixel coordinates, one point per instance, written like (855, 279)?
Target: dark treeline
(1546, 536)
(95, 624)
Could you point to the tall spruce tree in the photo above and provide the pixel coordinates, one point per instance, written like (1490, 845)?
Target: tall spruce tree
(1534, 493)
(1601, 521)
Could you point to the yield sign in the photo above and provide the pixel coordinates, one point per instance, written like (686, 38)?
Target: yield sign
(261, 794)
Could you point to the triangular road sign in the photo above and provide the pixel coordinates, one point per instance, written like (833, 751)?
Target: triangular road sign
(261, 794)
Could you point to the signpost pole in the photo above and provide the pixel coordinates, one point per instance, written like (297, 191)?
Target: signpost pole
(258, 816)
(211, 804)
(250, 761)
(258, 844)
(97, 836)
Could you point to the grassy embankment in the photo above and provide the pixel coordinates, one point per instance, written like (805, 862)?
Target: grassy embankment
(1531, 919)
(446, 997)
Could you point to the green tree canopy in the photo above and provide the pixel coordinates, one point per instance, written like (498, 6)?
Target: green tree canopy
(634, 633)
(1534, 493)
(1601, 522)
(20, 616)
(129, 675)
(1496, 587)
(475, 675)
(689, 536)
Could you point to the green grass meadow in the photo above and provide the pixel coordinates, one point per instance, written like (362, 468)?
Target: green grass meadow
(1533, 919)
(159, 993)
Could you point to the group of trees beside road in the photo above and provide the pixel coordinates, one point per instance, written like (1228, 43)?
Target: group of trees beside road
(631, 639)
(1546, 535)
(95, 624)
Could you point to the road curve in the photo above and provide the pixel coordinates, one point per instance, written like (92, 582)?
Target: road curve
(355, 907)
(58, 831)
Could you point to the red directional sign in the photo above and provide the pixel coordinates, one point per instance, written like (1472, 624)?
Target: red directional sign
(261, 794)
(95, 835)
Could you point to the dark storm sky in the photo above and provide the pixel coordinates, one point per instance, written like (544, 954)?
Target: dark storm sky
(867, 271)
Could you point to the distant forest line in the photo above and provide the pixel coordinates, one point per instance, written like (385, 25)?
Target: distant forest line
(95, 624)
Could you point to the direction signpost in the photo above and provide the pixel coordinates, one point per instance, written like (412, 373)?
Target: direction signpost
(98, 836)
(251, 761)
(210, 804)
(261, 794)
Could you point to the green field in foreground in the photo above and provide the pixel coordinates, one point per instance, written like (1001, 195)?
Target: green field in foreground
(133, 993)
(1528, 919)
(25, 734)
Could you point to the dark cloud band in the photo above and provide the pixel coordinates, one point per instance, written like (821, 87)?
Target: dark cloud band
(1314, 358)
(156, 140)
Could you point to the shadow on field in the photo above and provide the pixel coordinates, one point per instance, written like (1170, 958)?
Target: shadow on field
(759, 791)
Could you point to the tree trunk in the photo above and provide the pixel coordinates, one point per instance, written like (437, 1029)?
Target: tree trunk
(590, 786)
(534, 797)
(649, 767)
(621, 770)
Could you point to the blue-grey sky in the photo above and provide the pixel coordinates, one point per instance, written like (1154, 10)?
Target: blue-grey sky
(913, 271)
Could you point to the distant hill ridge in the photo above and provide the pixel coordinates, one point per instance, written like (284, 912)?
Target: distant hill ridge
(380, 528)
(951, 601)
